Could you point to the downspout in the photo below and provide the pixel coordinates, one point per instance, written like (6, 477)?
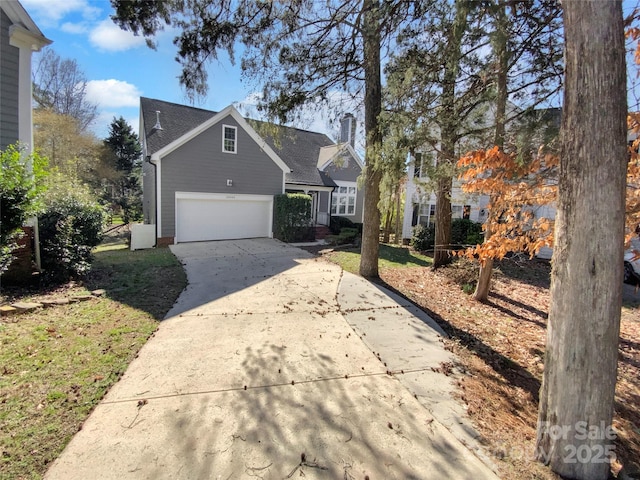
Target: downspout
(333, 189)
(155, 196)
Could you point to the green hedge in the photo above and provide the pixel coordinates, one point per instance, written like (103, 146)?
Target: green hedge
(338, 223)
(21, 189)
(466, 232)
(424, 237)
(463, 232)
(292, 218)
(347, 235)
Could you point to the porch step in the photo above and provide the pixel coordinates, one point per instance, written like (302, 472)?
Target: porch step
(321, 231)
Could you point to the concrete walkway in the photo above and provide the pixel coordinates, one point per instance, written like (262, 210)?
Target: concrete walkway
(265, 368)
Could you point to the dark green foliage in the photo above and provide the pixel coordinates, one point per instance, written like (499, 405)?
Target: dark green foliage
(336, 224)
(123, 142)
(292, 217)
(466, 232)
(19, 192)
(463, 232)
(130, 201)
(424, 237)
(69, 228)
(346, 235)
(123, 154)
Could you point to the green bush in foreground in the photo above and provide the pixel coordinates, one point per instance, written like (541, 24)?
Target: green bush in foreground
(70, 227)
(20, 191)
(293, 217)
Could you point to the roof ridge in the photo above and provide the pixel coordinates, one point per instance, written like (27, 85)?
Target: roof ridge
(244, 116)
(288, 127)
(179, 104)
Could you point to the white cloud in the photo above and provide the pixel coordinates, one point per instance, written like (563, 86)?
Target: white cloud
(113, 93)
(74, 28)
(109, 37)
(49, 12)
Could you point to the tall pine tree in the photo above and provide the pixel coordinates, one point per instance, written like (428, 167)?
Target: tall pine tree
(122, 152)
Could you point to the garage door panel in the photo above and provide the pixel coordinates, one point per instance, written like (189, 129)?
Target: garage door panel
(201, 219)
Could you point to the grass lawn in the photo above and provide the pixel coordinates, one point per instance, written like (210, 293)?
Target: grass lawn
(57, 363)
(391, 256)
(500, 345)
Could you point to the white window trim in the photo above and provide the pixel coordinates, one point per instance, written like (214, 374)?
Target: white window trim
(428, 206)
(235, 142)
(335, 195)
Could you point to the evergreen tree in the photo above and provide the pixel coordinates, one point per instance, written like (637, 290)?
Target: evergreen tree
(124, 144)
(122, 152)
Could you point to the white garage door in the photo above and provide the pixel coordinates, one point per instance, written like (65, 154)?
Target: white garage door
(222, 217)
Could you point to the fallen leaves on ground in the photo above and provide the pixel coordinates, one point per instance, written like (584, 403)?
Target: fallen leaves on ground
(500, 346)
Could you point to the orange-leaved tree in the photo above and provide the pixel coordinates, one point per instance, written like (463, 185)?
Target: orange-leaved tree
(633, 176)
(518, 189)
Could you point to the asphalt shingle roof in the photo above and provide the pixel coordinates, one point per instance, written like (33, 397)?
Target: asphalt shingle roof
(299, 149)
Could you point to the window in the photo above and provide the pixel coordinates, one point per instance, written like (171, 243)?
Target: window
(422, 164)
(343, 200)
(417, 169)
(423, 214)
(229, 140)
(427, 214)
(456, 211)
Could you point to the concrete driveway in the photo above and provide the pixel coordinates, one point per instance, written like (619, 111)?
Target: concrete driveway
(264, 369)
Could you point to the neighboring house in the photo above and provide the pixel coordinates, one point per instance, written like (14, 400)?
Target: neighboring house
(420, 203)
(19, 37)
(213, 175)
(420, 199)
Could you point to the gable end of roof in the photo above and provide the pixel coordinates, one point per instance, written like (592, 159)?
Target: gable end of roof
(228, 111)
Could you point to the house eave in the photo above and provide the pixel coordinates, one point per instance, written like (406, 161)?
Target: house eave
(305, 186)
(341, 148)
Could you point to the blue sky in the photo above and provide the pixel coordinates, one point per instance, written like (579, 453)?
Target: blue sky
(119, 66)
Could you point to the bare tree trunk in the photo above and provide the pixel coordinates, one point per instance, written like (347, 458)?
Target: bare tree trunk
(387, 220)
(484, 281)
(501, 49)
(398, 211)
(576, 400)
(441, 254)
(448, 136)
(373, 107)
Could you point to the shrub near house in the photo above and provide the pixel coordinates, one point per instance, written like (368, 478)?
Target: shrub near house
(21, 188)
(292, 217)
(70, 227)
(463, 232)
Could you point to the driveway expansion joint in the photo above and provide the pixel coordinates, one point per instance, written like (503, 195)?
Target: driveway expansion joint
(291, 383)
(194, 378)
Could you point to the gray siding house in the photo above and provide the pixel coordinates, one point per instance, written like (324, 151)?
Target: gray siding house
(19, 37)
(213, 175)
